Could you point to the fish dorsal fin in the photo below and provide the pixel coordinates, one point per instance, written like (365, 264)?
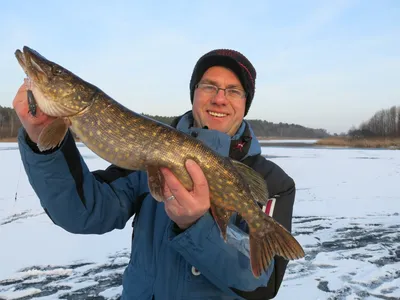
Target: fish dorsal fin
(254, 180)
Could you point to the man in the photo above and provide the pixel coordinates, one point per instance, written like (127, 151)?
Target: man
(177, 249)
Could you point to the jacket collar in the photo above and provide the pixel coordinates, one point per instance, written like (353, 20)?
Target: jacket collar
(243, 144)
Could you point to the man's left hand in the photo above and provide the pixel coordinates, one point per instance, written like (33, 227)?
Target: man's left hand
(187, 206)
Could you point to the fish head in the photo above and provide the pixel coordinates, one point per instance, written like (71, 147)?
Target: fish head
(57, 91)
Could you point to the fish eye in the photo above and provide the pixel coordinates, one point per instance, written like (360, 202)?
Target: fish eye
(56, 71)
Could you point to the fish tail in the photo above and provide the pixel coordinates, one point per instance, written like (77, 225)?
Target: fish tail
(270, 240)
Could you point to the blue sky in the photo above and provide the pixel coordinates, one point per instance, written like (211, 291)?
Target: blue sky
(322, 64)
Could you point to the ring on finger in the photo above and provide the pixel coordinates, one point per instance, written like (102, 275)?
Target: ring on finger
(172, 197)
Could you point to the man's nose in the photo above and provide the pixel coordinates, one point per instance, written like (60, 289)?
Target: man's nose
(220, 98)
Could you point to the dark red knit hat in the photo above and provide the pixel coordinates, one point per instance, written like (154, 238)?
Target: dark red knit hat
(230, 59)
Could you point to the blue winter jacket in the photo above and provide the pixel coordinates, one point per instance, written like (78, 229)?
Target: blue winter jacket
(165, 263)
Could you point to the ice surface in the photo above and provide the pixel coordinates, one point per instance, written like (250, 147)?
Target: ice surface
(347, 217)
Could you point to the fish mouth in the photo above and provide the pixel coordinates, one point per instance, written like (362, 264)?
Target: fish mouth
(35, 66)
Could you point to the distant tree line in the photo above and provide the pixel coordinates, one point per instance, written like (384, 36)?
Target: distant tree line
(384, 123)
(9, 122)
(9, 125)
(268, 129)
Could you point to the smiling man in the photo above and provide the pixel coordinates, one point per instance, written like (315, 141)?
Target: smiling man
(219, 108)
(222, 88)
(177, 249)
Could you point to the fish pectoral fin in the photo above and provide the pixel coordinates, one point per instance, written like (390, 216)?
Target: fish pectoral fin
(52, 134)
(155, 181)
(267, 239)
(254, 180)
(221, 217)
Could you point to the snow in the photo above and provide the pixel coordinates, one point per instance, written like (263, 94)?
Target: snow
(21, 294)
(346, 216)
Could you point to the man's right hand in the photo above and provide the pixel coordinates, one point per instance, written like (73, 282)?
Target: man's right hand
(33, 125)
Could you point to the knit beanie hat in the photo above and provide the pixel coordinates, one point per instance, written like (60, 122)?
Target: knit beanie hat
(232, 60)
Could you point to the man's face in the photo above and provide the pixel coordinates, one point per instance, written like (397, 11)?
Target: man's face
(214, 110)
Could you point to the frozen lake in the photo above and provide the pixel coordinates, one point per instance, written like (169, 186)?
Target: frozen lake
(347, 217)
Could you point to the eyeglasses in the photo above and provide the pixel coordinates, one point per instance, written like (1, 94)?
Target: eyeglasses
(230, 93)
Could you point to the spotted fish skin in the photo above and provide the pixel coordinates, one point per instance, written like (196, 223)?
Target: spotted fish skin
(135, 142)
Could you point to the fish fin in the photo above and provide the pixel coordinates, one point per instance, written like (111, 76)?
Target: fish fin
(52, 134)
(256, 183)
(155, 181)
(269, 240)
(221, 217)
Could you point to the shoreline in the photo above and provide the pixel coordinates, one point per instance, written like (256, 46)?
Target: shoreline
(335, 142)
(391, 143)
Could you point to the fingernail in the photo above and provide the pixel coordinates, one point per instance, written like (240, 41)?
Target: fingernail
(190, 163)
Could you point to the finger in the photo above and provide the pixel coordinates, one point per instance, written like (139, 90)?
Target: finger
(20, 97)
(200, 184)
(167, 195)
(172, 206)
(166, 190)
(173, 209)
(174, 185)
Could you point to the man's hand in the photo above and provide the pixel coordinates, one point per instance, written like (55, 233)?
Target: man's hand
(33, 125)
(187, 206)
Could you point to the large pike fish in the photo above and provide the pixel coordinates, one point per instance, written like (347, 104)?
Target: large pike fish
(132, 141)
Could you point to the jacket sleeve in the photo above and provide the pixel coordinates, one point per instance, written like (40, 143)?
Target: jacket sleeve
(73, 197)
(226, 266)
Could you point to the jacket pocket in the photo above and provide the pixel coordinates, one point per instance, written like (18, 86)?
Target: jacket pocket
(198, 287)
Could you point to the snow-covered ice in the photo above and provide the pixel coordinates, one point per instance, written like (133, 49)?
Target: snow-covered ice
(346, 216)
